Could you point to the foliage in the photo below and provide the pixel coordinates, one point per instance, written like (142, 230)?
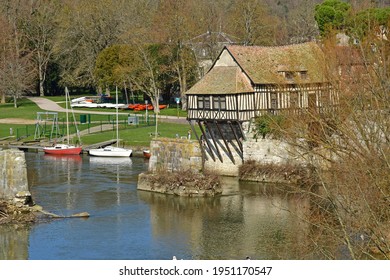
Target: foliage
(107, 63)
(331, 14)
(348, 204)
(374, 20)
(267, 125)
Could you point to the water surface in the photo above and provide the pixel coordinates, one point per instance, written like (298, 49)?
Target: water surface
(130, 224)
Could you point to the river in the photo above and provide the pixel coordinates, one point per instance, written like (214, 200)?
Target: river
(249, 219)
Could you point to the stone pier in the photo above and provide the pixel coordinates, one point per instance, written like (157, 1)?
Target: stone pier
(13, 177)
(174, 155)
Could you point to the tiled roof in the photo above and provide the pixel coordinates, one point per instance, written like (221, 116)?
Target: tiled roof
(264, 65)
(222, 80)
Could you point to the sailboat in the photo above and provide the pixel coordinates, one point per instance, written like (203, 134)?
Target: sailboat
(112, 151)
(64, 149)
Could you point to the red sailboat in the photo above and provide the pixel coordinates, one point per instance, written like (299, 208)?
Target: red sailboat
(64, 149)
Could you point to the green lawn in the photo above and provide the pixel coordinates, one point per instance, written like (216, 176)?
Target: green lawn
(131, 135)
(139, 136)
(5, 129)
(26, 109)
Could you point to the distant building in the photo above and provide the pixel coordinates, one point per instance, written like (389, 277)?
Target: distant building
(207, 47)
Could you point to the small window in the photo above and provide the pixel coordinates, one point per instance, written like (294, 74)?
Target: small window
(207, 102)
(289, 75)
(294, 101)
(216, 102)
(222, 100)
(303, 75)
(274, 100)
(219, 102)
(200, 102)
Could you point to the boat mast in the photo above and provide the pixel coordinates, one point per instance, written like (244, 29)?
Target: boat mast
(67, 118)
(117, 126)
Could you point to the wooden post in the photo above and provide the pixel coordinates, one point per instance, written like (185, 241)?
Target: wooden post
(215, 142)
(226, 143)
(236, 137)
(207, 141)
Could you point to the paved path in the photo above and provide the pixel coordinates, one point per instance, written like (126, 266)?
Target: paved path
(49, 105)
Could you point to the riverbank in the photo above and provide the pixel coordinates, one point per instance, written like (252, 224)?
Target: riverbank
(180, 183)
(17, 214)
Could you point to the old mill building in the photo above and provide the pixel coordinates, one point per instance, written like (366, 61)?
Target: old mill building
(248, 81)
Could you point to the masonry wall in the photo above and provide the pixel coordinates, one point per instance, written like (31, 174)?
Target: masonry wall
(13, 174)
(269, 151)
(225, 168)
(181, 154)
(174, 155)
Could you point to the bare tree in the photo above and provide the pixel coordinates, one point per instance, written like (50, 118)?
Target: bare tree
(252, 22)
(347, 150)
(301, 24)
(16, 74)
(175, 26)
(40, 28)
(16, 71)
(85, 29)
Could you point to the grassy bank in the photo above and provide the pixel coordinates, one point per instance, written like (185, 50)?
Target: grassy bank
(131, 135)
(138, 136)
(26, 109)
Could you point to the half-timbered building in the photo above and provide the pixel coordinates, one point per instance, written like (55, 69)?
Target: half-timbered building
(248, 81)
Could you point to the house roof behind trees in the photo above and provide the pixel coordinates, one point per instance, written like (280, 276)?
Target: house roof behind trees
(264, 65)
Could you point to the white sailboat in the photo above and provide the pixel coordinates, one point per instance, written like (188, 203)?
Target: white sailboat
(65, 149)
(112, 151)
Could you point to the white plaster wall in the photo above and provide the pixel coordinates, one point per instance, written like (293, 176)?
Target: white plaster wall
(225, 60)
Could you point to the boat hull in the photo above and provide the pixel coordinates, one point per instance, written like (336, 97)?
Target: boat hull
(146, 153)
(110, 152)
(62, 150)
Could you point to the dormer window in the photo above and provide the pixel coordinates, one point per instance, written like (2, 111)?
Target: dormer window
(303, 75)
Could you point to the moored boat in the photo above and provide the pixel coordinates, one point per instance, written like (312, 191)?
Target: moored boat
(147, 153)
(65, 149)
(110, 151)
(62, 149)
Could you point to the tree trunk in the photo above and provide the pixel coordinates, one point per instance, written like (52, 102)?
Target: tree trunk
(41, 81)
(2, 98)
(15, 101)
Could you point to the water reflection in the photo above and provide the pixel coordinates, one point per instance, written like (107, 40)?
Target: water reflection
(247, 220)
(227, 227)
(114, 165)
(14, 242)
